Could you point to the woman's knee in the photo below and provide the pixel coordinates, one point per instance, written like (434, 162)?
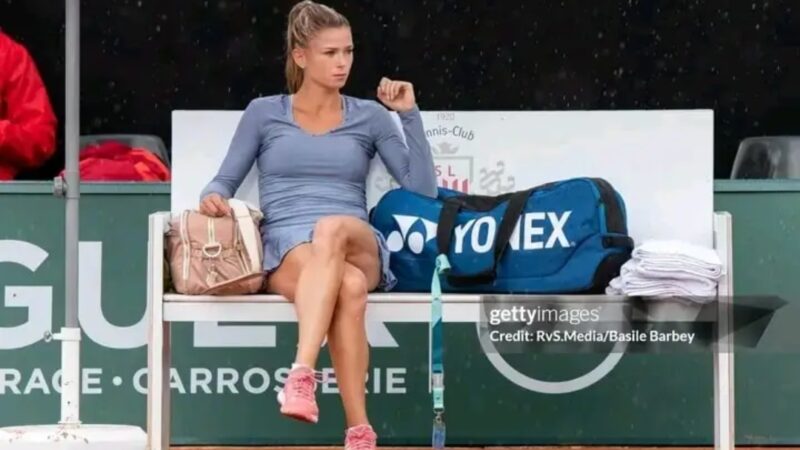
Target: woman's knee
(353, 292)
(330, 235)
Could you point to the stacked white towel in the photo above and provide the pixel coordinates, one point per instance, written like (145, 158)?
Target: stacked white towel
(669, 268)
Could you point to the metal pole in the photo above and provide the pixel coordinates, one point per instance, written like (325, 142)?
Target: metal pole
(70, 335)
(72, 131)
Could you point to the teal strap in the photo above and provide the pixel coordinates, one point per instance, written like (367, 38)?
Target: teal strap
(437, 363)
(437, 352)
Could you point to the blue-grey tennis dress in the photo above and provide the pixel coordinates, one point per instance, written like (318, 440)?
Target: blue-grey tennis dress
(304, 176)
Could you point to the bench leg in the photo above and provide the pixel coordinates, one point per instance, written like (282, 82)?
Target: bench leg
(724, 382)
(724, 436)
(724, 387)
(158, 392)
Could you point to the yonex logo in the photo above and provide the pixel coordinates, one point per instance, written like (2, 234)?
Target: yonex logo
(416, 239)
(478, 234)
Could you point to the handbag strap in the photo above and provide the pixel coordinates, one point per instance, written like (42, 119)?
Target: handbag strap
(241, 213)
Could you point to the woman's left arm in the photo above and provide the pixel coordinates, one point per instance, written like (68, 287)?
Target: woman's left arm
(410, 163)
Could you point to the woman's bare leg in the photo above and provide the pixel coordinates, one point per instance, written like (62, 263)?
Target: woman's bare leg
(347, 342)
(304, 278)
(318, 287)
(337, 240)
(347, 337)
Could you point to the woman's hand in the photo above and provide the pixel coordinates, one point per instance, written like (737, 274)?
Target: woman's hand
(396, 95)
(214, 205)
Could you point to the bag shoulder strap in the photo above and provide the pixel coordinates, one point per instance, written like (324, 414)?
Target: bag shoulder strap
(241, 213)
(447, 221)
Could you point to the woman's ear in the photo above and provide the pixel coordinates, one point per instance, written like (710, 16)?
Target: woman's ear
(299, 56)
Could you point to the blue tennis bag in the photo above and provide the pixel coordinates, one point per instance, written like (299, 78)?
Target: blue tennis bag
(563, 237)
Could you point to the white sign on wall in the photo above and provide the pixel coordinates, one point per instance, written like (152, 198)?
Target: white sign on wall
(660, 161)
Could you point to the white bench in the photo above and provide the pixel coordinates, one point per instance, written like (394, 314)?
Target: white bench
(166, 308)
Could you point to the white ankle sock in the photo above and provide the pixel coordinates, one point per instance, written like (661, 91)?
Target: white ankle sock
(296, 365)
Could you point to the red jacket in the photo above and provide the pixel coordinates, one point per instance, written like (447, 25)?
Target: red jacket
(27, 122)
(114, 161)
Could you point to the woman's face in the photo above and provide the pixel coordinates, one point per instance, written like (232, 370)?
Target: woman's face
(328, 58)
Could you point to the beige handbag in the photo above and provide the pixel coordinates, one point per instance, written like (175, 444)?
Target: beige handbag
(216, 255)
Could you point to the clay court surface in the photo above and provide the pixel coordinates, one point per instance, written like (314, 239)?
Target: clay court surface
(563, 447)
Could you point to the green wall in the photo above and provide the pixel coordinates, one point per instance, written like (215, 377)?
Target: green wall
(225, 395)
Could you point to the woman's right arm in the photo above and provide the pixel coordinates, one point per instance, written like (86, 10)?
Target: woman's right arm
(241, 155)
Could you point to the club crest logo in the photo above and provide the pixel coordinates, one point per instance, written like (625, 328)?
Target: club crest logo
(455, 166)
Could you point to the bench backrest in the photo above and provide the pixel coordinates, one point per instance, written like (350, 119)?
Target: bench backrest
(661, 161)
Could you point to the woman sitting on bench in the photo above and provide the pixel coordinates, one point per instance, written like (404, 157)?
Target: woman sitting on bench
(313, 149)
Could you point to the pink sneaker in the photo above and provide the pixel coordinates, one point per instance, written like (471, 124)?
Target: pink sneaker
(297, 398)
(360, 437)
